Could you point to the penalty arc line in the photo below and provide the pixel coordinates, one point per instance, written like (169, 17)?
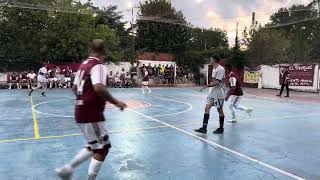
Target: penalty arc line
(222, 147)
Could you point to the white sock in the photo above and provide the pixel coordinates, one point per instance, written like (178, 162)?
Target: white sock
(242, 108)
(94, 168)
(82, 156)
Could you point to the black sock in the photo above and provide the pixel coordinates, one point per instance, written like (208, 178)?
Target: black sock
(205, 120)
(221, 121)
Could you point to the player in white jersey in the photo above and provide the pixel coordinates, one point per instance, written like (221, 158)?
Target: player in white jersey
(41, 80)
(216, 96)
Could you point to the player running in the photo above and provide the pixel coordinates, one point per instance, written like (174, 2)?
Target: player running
(145, 79)
(235, 94)
(215, 97)
(91, 96)
(41, 80)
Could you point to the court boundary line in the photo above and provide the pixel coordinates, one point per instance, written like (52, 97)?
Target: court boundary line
(222, 147)
(35, 122)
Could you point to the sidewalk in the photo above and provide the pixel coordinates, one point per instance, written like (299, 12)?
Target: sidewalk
(294, 95)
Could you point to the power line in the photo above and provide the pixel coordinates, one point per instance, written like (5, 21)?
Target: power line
(290, 23)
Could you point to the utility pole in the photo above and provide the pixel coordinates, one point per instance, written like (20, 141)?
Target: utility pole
(253, 19)
(237, 38)
(132, 32)
(319, 8)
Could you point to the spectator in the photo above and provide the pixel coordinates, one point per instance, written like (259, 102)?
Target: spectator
(117, 80)
(67, 76)
(128, 81)
(53, 81)
(23, 79)
(14, 79)
(31, 76)
(122, 76)
(110, 79)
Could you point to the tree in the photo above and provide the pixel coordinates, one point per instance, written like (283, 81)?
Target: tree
(299, 25)
(161, 28)
(30, 35)
(265, 46)
(203, 39)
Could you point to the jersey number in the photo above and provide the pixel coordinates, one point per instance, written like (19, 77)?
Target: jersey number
(80, 82)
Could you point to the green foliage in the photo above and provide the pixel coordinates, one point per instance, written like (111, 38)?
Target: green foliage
(154, 36)
(266, 46)
(203, 39)
(293, 37)
(28, 36)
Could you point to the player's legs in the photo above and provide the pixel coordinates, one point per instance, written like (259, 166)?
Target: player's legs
(206, 117)
(97, 149)
(221, 118)
(281, 90)
(287, 88)
(44, 88)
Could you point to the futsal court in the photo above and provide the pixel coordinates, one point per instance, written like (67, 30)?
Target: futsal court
(154, 138)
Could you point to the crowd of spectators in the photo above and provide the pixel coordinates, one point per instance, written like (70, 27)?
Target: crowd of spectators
(122, 79)
(57, 78)
(63, 77)
(167, 74)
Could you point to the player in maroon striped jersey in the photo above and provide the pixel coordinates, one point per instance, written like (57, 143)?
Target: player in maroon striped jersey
(91, 96)
(235, 94)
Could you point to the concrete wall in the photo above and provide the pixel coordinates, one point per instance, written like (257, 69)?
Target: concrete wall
(270, 79)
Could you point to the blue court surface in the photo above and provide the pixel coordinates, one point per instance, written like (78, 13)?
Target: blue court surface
(154, 139)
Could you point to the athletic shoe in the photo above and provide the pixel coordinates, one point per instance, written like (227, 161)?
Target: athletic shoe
(233, 120)
(143, 92)
(30, 92)
(279, 95)
(43, 95)
(65, 173)
(201, 130)
(218, 131)
(149, 91)
(287, 96)
(249, 111)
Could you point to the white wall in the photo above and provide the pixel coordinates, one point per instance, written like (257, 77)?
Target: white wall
(3, 77)
(270, 79)
(118, 67)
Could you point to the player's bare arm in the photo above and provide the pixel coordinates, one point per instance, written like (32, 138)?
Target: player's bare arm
(102, 91)
(212, 84)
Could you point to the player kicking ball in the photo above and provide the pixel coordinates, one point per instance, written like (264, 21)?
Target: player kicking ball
(91, 96)
(215, 97)
(235, 94)
(41, 80)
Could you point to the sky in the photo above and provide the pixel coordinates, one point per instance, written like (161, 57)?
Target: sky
(223, 14)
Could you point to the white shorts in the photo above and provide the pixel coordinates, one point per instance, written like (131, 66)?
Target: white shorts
(96, 135)
(235, 100)
(41, 84)
(218, 103)
(67, 79)
(53, 79)
(145, 83)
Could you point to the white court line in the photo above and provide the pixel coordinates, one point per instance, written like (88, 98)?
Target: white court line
(170, 114)
(222, 147)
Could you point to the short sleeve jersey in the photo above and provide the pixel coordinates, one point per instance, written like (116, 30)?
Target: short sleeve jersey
(42, 74)
(218, 91)
(89, 106)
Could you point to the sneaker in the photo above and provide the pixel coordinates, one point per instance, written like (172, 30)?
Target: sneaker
(43, 94)
(218, 131)
(249, 111)
(279, 95)
(30, 92)
(287, 96)
(233, 120)
(65, 173)
(201, 130)
(149, 91)
(143, 92)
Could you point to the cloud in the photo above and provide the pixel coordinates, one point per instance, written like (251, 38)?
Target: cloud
(223, 14)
